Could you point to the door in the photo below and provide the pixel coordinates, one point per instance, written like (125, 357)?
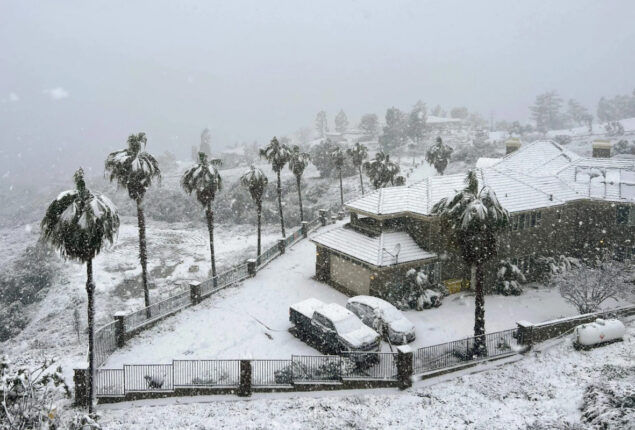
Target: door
(349, 275)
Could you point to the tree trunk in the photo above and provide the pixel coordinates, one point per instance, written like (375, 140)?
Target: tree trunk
(259, 209)
(480, 347)
(341, 189)
(90, 290)
(143, 255)
(361, 179)
(279, 189)
(300, 198)
(210, 228)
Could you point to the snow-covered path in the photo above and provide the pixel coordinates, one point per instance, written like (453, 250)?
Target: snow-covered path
(542, 390)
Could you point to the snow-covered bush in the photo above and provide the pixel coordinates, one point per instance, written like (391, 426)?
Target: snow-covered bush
(624, 147)
(416, 291)
(609, 404)
(509, 279)
(546, 267)
(29, 395)
(563, 139)
(614, 128)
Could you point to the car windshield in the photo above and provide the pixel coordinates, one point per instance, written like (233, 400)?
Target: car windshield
(346, 325)
(391, 314)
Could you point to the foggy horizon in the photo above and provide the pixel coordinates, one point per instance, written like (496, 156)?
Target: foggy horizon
(77, 78)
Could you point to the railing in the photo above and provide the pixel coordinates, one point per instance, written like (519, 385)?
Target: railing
(314, 224)
(379, 366)
(268, 255)
(316, 368)
(156, 310)
(148, 377)
(271, 373)
(105, 343)
(206, 373)
(460, 351)
(109, 382)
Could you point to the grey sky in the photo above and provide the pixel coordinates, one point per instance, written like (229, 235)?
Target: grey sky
(76, 77)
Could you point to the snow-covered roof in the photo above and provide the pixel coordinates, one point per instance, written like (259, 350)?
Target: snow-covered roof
(372, 302)
(486, 162)
(431, 119)
(540, 174)
(335, 312)
(308, 306)
(373, 250)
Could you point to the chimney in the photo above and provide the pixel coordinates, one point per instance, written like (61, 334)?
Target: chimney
(512, 145)
(601, 148)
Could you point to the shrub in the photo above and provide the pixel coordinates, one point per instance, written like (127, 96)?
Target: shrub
(416, 291)
(563, 139)
(509, 279)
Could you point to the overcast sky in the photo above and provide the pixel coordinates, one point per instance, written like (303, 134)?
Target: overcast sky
(76, 77)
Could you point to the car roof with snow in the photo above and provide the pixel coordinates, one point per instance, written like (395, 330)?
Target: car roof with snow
(335, 312)
(373, 302)
(308, 306)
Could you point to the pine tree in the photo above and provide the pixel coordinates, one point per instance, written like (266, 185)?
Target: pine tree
(394, 132)
(546, 111)
(474, 217)
(417, 123)
(277, 155)
(79, 224)
(369, 124)
(134, 170)
(204, 180)
(341, 122)
(321, 124)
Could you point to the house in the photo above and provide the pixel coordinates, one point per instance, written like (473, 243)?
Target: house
(559, 203)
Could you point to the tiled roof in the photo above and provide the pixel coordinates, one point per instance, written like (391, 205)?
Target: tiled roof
(370, 249)
(540, 174)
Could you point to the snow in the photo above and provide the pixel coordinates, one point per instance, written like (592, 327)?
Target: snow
(542, 389)
(308, 306)
(486, 162)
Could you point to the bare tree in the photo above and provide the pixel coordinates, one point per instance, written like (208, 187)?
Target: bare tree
(589, 286)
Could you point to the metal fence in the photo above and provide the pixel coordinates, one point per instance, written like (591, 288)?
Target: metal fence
(105, 343)
(148, 377)
(206, 373)
(268, 255)
(156, 310)
(109, 382)
(271, 373)
(314, 224)
(460, 351)
(380, 366)
(316, 368)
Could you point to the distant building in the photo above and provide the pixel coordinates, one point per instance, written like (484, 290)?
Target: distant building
(559, 203)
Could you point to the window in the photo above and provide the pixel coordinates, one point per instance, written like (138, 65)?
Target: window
(533, 219)
(523, 221)
(538, 219)
(622, 214)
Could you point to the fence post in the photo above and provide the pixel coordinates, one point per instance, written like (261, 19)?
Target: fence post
(404, 366)
(281, 245)
(305, 228)
(525, 333)
(195, 292)
(322, 213)
(340, 215)
(120, 328)
(244, 387)
(80, 379)
(251, 267)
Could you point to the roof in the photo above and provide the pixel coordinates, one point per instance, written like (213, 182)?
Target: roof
(370, 249)
(371, 301)
(538, 175)
(308, 306)
(335, 312)
(486, 162)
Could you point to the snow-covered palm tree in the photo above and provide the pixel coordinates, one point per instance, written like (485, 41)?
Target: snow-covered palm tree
(474, 217)
(381, 170)
(79, 223)
(439, 155)
(298, 161)
(358, 154)
(337, 155)
(134, 169)
(277, 154)
(204, 180)
(255, 181)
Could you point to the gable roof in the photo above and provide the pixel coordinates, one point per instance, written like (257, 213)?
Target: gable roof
(539, 174)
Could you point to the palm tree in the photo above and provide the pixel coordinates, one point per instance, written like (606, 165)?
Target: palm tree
(381, 170)
(204, 179)
(439, 155)
(358, 154)
(474, 217)
(298, 161)
(255, 181)
(337, 155)
(134, 169)
(78, 223)
(277, 155)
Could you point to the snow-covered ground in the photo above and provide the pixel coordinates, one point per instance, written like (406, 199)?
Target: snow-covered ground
(252, 319)
(542, 390)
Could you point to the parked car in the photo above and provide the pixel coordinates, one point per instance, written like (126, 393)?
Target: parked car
(383, 317)
(333, 329)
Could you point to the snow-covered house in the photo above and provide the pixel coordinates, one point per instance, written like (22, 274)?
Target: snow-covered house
(559, 202)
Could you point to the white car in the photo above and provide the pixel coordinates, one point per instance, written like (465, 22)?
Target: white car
(383, 317)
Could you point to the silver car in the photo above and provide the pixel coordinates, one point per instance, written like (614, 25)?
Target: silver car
(383, 317)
